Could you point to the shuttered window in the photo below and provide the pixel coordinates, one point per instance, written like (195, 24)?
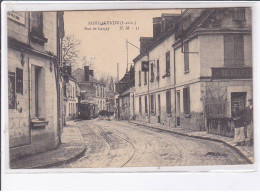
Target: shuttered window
(167, 56)
(186, 100)
(152, 101)
(145, 77)
(168, 102)
(146, 104)
(233, 50)
(140, 104)
(186, 57)
(140, 78)
(152, 72)
(158, 68)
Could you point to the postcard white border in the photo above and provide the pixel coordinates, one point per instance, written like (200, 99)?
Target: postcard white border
(167, 177)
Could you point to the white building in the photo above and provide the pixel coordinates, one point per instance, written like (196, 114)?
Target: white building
(208, 54)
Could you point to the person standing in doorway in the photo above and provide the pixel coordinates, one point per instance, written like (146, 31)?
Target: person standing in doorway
(238, 119)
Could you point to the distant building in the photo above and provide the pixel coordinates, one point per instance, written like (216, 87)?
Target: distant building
(70, 95)
(34, 81)
(199, 67)
(92, 91)
(125, 95)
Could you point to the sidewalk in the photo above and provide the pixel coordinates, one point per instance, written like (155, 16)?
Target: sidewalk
(71, 148)
(245, 151)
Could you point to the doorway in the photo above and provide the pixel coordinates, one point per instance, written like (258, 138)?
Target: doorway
(159, 108)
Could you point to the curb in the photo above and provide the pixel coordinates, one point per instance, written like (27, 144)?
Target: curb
(204, 138)
(57, 163)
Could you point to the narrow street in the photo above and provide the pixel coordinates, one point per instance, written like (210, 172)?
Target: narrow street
(122, 144)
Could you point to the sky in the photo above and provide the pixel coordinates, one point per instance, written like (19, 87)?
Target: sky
(105, 45)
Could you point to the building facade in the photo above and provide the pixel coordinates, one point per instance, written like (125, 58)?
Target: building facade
(210, 71)
(70, 96)
(34, 58)
(92, 91)
(124, 100)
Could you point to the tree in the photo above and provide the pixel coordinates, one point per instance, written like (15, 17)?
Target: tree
(70, 49)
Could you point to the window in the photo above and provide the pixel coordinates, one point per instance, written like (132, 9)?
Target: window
(153, 105)
(186, 100)
(11, 90)
(158, 69)
(146, 104)
(239, 14)
(38, 92)
(168, 102)
(37, 22)
(19, 81)
(145, 77)
(152, 73)
(140, 78)
(140, 104)
(233, 50)
(167, 56)
(186, 57)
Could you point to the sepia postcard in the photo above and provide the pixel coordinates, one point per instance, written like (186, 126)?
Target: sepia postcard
(117, 89)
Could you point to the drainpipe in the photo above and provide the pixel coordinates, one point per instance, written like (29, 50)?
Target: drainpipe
(29, 80)
(174, 85)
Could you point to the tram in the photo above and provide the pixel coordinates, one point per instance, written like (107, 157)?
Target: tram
(87, 110)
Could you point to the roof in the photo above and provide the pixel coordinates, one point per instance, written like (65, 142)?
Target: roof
(78, 74)
(174, 30)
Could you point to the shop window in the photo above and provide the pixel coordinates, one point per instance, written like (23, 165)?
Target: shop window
(186, 100)
(186, 57)
(168, 102)
(11, 90)
(19, 80)
(233, 50)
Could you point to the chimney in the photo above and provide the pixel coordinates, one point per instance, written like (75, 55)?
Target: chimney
(157, 25)
(145, 42)
(68, 69)
(168, 21)
(86, 73)
(91, 72)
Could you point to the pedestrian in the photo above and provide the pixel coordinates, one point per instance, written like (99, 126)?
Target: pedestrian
(239, 136)
(248, 114)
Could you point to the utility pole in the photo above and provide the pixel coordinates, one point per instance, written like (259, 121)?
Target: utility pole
(126, 55)
(117, 72)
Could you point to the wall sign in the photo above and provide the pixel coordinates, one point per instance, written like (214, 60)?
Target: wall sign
(18, 17)
(232, 73)
(145, 65)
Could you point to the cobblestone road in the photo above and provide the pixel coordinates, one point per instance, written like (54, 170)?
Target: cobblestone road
(121, 144)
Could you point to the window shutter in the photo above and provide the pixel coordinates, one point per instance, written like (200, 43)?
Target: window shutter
(229, 50)
(186, 57)
(239, 50)
(167, 62)
(168, 102)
